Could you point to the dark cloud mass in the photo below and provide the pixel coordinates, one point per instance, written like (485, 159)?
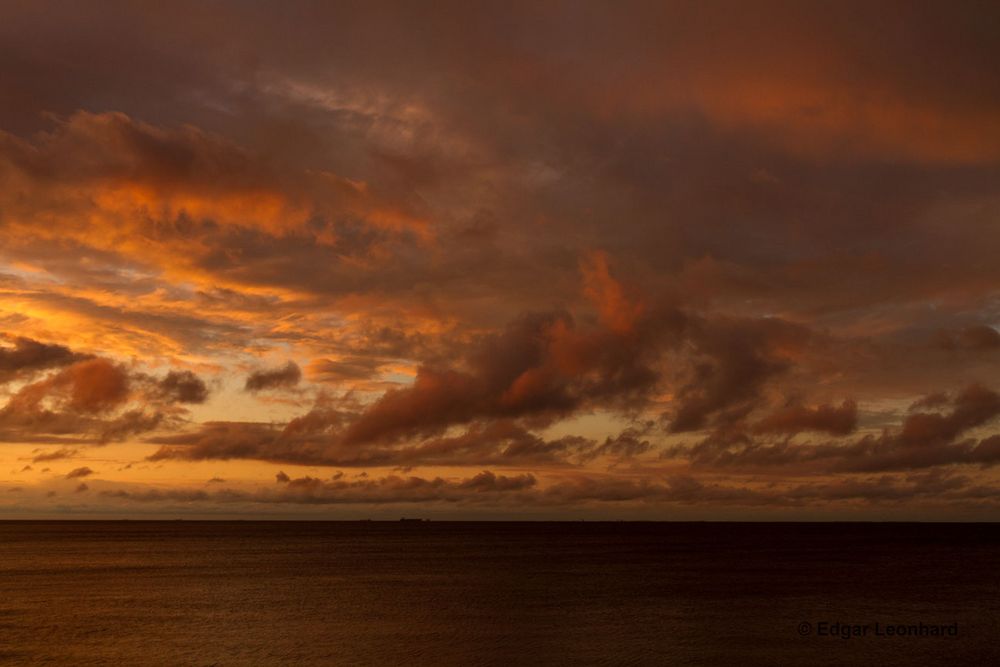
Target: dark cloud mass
(835, 420)
(94, 400)
(924, 440)
(531, 254)
(739, 357)
(184, 387)
(541, 365)
(26, 356)
(286, 376)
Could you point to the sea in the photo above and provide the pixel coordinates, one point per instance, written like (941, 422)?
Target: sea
(496, 593)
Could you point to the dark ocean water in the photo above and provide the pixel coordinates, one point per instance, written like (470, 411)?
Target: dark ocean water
(247, 593)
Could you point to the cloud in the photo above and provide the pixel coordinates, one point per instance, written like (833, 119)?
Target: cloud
(487, 481)
(90, 387)
(184, 387)
(55, 455)
(831, 419)
(483, 487)
(235, 440)
(71, 401)
(930, 439)
(129, 220)
(923, 440)
(286, 376)
(79, 472)
(976, 337)
(885, 488)
(130, 423)
(973, 406)
(737, 358)
(96, 400)
(358, 368)
(158, 495)
(28, 356)
(541, 365)
(540, 368)
(625, 446)
(497, 443)
(489, 489)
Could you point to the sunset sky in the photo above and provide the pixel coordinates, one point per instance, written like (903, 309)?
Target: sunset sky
(706, 260)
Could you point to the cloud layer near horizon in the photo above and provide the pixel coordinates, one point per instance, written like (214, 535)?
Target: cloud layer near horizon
(545, 256)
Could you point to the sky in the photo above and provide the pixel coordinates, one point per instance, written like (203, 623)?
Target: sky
(543, 260)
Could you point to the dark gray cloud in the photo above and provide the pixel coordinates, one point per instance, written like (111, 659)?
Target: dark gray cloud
(274, 378)
(27, 356)
(835, 420)
(184, 387)
(737, 358)
(923, 440)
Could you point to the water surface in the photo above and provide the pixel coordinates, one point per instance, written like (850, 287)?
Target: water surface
(373, 593)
